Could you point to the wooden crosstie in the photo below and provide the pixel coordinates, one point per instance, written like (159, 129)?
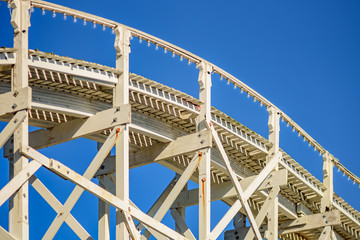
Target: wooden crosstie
(150, 123)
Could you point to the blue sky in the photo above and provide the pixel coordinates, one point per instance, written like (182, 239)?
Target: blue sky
(303, 56)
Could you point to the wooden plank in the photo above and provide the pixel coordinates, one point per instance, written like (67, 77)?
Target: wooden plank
(80, 127)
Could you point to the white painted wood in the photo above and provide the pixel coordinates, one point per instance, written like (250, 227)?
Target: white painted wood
(179, 221)
(227, 190)
(121, 96)
(91, 187)
(179, 185)
(240, 193)
(104, 212)
(11, 127)
(57, 206)
(5, 235)
(264, 211)
(80, 127)
(76, 193)
(19, 202)
(157, 204)
(16, 182)
(15, 101)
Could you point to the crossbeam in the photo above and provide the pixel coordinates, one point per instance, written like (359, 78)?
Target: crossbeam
(160, 151)
(80, 127)
(67, 173)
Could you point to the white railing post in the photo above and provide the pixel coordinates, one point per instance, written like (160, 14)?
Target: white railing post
(120, 97)
(274, 135)
(326, 200)
(204, 166)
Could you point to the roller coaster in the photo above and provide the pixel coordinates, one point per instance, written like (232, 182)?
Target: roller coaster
(148, 122)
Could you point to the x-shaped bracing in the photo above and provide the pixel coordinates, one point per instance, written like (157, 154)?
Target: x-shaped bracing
(243, 196)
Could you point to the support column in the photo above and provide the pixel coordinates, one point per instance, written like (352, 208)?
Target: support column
(274, 135)
(181, 210)
(18, 204)
(205, 163)
(326, 200)
(104, 210)
(121, 96)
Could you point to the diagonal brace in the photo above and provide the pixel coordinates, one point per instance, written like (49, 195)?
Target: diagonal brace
(57, 206)
(15, 183)
(76, 193)
(175, 191)
(241, 196)
(11, 127)
(86, 184)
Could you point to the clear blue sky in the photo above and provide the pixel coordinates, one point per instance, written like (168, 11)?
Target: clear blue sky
(304, 56)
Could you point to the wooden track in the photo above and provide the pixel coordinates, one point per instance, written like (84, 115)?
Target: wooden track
(67, 95)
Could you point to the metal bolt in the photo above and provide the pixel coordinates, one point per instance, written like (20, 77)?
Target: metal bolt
(115, 119)
(14, 106)
(202, 141)
(68, 171)
(16, 93)
(118, 109)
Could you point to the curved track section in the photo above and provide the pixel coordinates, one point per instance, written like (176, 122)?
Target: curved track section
(151, 123)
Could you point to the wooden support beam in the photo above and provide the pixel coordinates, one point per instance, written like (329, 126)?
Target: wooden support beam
(186, 144)
(157, 204)
(80, 127)
(304, 223)
(274, 138)
(17, 100)
(160, 151)
(5, 235)
(121, 96)
(240, 193)
(179, 185)
(16, 182)
(227, 190)
(204, 179)
(264, 211)
(104, 211)
(19, 202)
(57, 206)
(11, 127)
(179, 221)
(84, 183)
(76, 193)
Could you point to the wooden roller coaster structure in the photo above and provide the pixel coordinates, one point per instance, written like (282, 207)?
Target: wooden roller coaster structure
(148, 122)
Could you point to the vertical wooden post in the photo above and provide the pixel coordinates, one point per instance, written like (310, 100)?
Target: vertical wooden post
(104, 210)
(121, 96)
(326, 200)
(274, 135)
(104, 217)
(180, 210)
(18, 204)
(204, 166)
